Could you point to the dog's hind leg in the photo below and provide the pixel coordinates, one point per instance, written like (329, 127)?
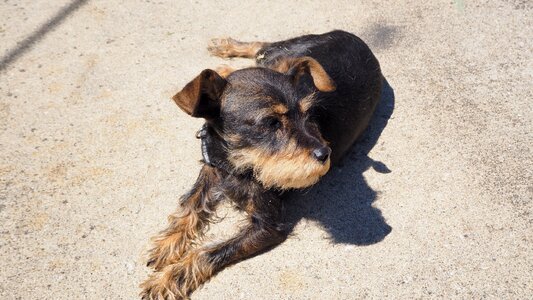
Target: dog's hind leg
(263, 231)
(187, 225)
(228, 47)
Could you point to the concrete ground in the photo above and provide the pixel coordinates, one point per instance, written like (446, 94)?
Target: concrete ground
(94, 155)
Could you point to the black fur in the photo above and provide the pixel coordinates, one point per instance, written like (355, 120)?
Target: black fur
(338, 117)
(343, 114)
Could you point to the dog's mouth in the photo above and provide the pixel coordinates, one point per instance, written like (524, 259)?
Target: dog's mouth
(285, 170)
(289, 175)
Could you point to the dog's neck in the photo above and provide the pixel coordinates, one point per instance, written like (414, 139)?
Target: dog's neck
(214, 151)
(212, 146)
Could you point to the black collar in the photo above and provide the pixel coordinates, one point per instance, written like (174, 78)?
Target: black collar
(214, 150)
(202, 135)
(214, 153)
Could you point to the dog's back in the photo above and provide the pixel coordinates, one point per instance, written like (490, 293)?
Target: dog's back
(344, 114)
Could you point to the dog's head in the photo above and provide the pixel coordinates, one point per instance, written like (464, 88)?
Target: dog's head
(265, 117)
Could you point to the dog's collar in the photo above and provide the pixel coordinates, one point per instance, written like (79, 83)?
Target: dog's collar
(202, 135)
(213, 152)
(213, 149)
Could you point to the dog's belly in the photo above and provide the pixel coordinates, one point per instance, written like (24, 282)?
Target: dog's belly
(344, 114)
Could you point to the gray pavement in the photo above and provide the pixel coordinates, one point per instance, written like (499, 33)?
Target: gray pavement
(435, 203)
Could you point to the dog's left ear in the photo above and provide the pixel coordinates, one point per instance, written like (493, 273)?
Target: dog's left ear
(200, 98)
(296, 67)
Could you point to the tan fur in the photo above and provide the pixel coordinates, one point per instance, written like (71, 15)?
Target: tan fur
(282, 65)
(177, 281)
(291, 168)
(186, 227)
(276, 109)
(224, 70)
(228, 47)
(308, 64)
(280, 109)
(306, 103)
(174, 241)
(232, 138)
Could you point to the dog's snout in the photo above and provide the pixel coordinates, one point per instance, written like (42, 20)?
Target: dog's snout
(322, 154)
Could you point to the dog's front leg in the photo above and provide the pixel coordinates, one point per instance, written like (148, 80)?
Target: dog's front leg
(188, 223)
(177, 281)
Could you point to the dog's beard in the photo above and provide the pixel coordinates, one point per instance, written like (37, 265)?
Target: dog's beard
(290, 168)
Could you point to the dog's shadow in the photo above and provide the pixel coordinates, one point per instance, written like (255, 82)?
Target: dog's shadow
(342, 200)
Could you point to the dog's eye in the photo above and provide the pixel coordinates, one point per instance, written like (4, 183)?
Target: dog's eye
(272, 123)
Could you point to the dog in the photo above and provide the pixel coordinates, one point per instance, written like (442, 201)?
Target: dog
(270, 128)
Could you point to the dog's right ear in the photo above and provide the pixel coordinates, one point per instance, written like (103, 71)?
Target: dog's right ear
(200, 98)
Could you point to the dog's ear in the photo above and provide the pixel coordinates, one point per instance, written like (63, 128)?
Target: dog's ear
(200, 98)
(296, 67)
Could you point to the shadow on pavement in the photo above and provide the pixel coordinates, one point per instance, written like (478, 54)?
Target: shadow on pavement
(26, 44)
(342, 200)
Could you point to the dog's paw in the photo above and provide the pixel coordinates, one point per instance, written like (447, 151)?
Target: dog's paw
(163, 285)
(178, 280)
(221, 47)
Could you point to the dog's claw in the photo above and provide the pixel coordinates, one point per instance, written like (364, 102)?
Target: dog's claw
(150, 262)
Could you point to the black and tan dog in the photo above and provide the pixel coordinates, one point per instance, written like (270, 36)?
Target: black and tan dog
(268, 128)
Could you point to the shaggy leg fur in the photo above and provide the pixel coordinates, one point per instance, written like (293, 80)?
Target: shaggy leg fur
(188, 225)
(177, 281)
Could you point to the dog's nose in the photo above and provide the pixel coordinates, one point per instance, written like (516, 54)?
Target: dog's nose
(322, 154)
